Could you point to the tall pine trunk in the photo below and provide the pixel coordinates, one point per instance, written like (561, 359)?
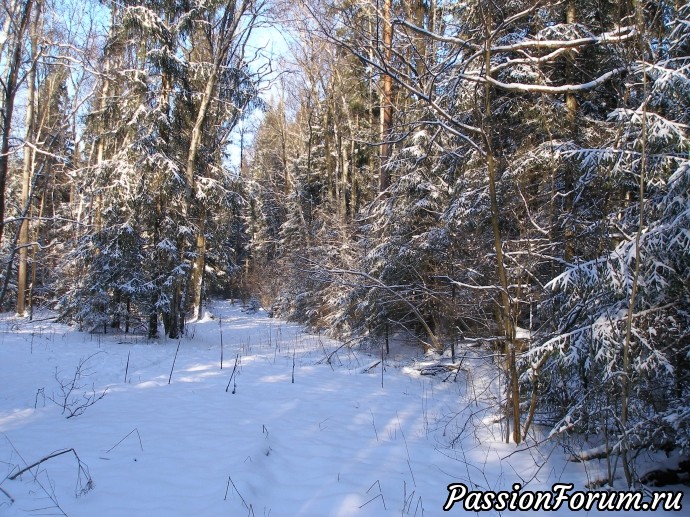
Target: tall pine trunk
(27, 169)
(386, 104)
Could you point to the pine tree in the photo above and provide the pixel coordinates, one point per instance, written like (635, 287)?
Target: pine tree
(621, 339)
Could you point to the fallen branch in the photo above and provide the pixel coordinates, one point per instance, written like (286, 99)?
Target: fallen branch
(371, 367)
(327, 358)
(81, 488)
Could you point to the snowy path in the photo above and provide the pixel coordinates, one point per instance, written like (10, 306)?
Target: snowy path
(333, 443)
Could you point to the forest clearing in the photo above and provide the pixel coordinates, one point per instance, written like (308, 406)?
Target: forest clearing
(294, 424)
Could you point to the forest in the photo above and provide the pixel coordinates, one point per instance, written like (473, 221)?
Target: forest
(511, 177)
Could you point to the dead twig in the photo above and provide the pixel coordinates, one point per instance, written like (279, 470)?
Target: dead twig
(7, 494)
(135, 430)
(247, 506)
(232, 375)
(70, 403)
(174, 360)
(380, 494)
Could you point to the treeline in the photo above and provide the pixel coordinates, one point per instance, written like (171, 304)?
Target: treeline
(515, 175)
(120, 203)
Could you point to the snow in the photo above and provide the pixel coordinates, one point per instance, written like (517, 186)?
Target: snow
(523, 334)
(334, 442)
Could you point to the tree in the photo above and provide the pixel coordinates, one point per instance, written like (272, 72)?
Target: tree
(28, 165)
(620, 342)
(16, 18)
(500, 83)
(176, 83)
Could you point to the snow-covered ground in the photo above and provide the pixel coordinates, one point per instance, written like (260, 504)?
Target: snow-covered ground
(341, 440)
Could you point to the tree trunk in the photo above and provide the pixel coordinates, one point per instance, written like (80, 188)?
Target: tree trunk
(100, 147)
(11, 84)
(34, 255)
(283, 147)
(571, 106)
(328, 150)
(505, 323)
(171, 317)
(227, 27)
(29, 154)
(626, 373)
(153, 325)
(198, 275)
(386, 104)
(176, 323)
